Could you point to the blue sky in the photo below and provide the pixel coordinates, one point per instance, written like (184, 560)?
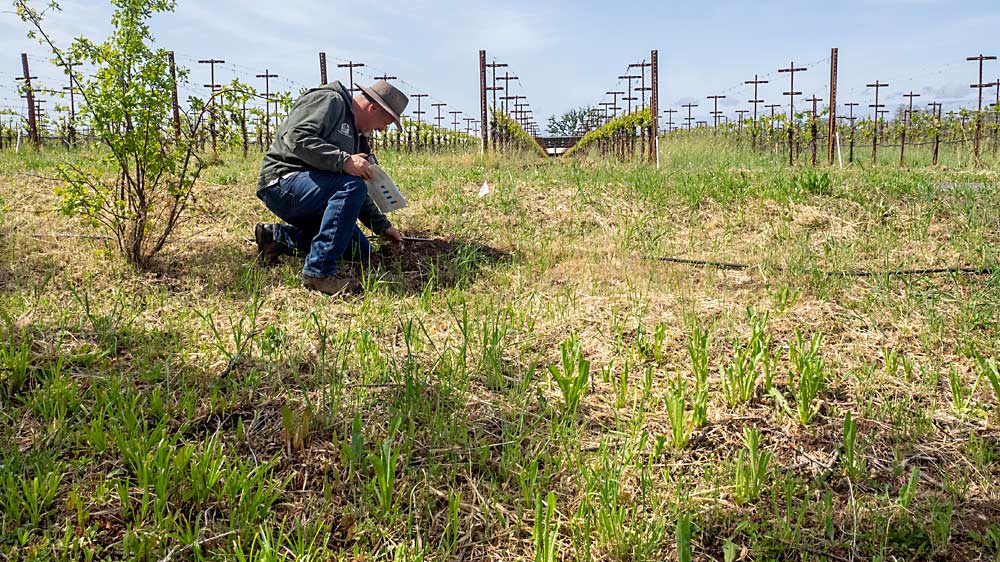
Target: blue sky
(566, 54)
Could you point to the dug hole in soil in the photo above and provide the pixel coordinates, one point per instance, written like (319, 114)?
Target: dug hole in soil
(423, 254)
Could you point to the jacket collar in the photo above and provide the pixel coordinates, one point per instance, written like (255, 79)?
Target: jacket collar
(338, 87)
(341, 89)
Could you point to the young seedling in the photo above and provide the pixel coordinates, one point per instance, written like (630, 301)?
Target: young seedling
(574, 376)
(296, 428)
(27, 500)
(989, 369)
(784, 298)
(755, 358)
(621, 395)
(680, 427)
(739, 378)
(698, 351)
(683, 536)
(385, 463)
(647, 386)
(546, 529)
(751, 467)
(759, 346)
(805, 381)
(242, 329)
(659, 341)
(493, 335)
(683, 422)
(909, 489)
(959, 394)
(353, 449)
(14, 366)
(853, 465)
(891, 357)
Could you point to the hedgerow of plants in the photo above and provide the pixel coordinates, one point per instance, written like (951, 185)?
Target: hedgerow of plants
(624, 124)
(514, 134)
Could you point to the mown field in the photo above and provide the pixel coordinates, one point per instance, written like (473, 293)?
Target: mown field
(535, 385)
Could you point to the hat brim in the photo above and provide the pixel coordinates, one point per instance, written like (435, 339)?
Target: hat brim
(378, 99)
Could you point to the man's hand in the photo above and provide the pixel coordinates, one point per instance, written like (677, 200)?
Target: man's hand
(394, 238)
(358, 166)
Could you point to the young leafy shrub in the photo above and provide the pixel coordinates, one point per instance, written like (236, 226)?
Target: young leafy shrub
(128, 104)
(626, 125)
(512, 137)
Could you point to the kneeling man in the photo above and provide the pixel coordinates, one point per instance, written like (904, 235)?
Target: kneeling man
(313, 179)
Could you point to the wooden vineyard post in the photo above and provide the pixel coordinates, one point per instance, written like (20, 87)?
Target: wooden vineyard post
(979, 110)
(876, 106)
(654, 105)
(834, 55)
(791, 93)
(756, 82)
(29, 93)
(482, 100)
(906, 122)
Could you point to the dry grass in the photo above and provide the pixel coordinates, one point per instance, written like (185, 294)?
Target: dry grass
(558, 248)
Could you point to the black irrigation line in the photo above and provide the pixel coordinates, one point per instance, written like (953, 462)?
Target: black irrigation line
(845, 273)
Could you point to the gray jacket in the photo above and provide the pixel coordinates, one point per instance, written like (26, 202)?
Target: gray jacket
(319, 134)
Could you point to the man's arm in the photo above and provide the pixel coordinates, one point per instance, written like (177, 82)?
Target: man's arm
(373, 218)
(305, 137)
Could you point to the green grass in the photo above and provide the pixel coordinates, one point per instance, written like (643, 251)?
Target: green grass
(547, 390)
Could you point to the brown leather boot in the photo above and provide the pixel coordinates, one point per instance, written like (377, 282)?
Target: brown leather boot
(332, 285)
(268, 251)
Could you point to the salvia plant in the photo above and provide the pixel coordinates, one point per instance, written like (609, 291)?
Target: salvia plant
(753, 360)
(739, 378)
(385, 461)
(853, 464)
(806, 379)
(909, 490)
(680, 426)
(698, 351)
(574, 375)
(546, 529)
(989, 369)
(683, 536)
(751, 467)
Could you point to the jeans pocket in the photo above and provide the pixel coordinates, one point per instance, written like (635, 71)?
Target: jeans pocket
(273, 198)
(279, 189)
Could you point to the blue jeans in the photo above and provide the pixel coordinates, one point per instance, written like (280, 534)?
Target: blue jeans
(321, 209)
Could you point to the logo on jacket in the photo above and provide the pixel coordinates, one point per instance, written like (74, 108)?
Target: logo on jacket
(344, 129)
